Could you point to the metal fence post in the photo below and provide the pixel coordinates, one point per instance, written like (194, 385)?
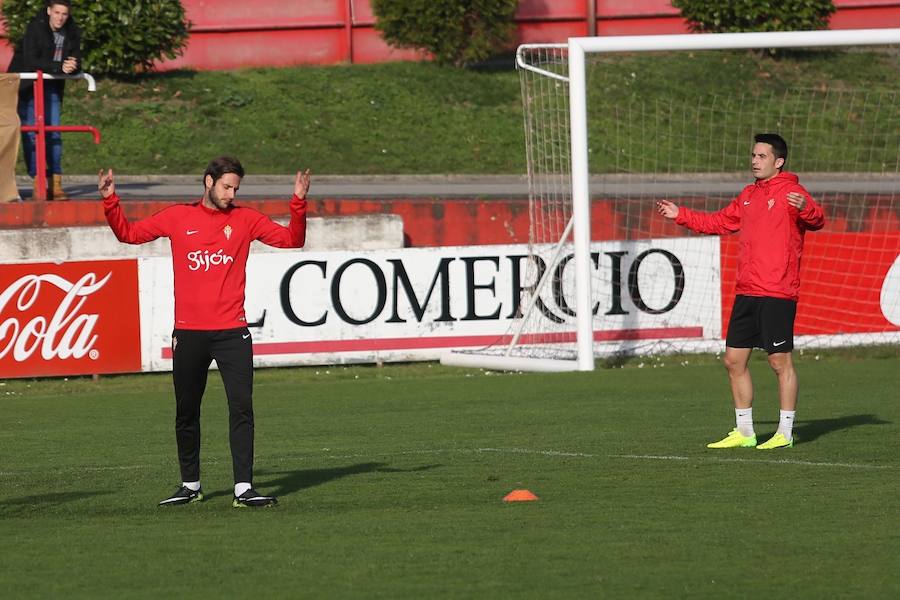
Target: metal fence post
(40, 151)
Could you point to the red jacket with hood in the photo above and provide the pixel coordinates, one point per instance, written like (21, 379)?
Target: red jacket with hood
(771, 234)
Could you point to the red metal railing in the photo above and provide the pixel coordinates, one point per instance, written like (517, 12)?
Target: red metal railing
(41, 128)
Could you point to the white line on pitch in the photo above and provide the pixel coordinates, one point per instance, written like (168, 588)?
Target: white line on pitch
(783, 461)
(648, 457)
(529, 451)
(462, 451)
(625, 456)
(552, 453)
(807, 463)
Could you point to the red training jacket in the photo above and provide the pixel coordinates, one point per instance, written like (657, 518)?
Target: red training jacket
(771, 234)
(209, 254)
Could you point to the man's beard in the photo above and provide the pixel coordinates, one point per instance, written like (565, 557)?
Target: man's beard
(217, 202)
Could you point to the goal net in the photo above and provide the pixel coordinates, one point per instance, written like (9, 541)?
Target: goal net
(604, 142)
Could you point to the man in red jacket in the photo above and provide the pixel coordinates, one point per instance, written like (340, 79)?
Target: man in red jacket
(210, 241)
(772, 216)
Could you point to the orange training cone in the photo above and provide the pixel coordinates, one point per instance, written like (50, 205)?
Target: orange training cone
(519, 496)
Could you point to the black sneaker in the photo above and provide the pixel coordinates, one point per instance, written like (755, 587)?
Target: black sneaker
(183, 495)
(252, 498)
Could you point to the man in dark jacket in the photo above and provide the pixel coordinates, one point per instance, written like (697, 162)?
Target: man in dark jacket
(52, 44)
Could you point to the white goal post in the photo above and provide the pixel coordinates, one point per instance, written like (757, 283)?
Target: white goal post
(570, 178)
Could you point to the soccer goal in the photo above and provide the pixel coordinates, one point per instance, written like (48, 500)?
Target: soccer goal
(605, 275)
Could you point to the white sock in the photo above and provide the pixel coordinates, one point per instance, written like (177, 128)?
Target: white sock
(240, 488)
(191, 485)
(786, 423)
(744, 419)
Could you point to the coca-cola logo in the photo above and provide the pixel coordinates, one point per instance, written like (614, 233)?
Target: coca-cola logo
(68, 333)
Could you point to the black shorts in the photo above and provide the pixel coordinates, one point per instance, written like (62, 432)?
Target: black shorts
(762, 322)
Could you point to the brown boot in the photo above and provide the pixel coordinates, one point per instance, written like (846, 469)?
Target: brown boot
(56, 189)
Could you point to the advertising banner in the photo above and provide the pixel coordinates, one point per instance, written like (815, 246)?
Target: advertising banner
(414, 304)
(69, 318)
(305, 308)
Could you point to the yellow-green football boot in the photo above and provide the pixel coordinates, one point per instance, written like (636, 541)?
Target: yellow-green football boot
(776, 441)
(734, 440)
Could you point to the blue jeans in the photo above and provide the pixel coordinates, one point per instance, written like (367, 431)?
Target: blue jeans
(52, 114)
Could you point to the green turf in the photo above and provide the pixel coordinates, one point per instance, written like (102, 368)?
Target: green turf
(391, 479)
(418, 118)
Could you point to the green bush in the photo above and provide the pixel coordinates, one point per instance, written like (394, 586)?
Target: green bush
(455, 32)
(119, 37)
(733, 16)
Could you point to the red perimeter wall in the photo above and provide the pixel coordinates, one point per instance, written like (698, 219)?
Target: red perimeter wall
(429, 222)
(227, 34)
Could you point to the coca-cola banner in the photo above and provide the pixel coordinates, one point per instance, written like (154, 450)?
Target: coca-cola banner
(69, 318)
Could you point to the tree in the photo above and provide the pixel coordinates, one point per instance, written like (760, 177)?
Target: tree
(734, 16)
(455, 32)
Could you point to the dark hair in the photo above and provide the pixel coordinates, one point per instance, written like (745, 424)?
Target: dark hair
(221, 165)
(779, 146)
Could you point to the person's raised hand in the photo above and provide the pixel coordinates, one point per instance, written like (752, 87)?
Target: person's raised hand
(106, 183)
(301, 184)
(667, 209)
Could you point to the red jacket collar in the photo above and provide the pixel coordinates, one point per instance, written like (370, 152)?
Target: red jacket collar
(780, 179)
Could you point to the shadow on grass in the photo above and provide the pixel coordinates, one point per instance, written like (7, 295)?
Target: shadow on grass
(43, 501)
(500, 62)
(283, 483)
(153, 76)
(807, 431)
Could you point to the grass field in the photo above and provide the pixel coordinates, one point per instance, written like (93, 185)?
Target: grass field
(418, 118)
(391, 482)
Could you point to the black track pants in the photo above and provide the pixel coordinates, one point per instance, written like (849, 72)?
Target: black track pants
(192, 353)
